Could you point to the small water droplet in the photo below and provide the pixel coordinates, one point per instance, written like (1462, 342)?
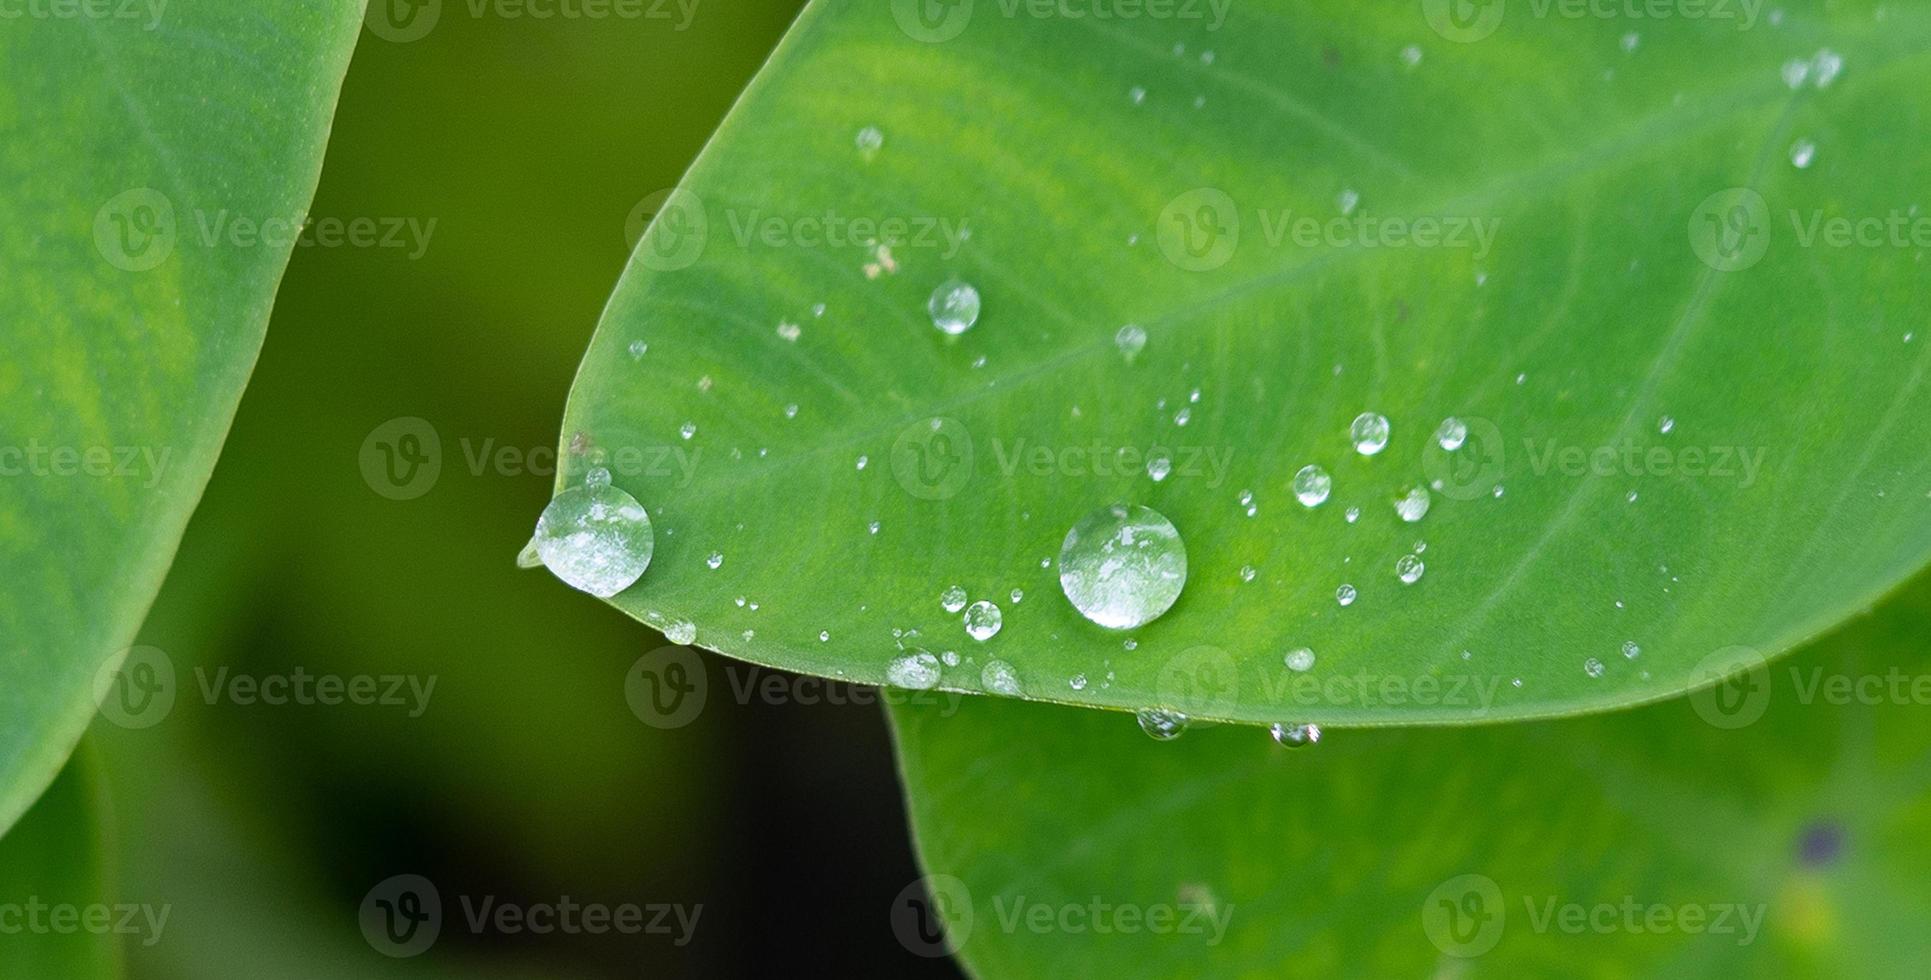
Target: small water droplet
(1131, 340)
(1017, 596)
(1631, 40)
(1411, 55)
(1827, 66)
(1345, 595)
(953, 599)
(950, 658)
(1136, 95)
(983, 620)
(1346, 201)
(1182, 417)
(1414, 505)
(1408, 568)
(1158, 466)
(1631, 650)
(714, 559)
(999, 678)
(862, 462)
(869, 140)
(1312, 486)
(917, 671)
(1295, 736)
(789, 331)
(1352, 514)
(1665, 424)
(1077, 682)
(596, 538)
(1300, 660)
(1795, 71)
(1802, 153)
(824, 636)
(637, 349)
(1123, 566)
(954, 307)
(682, 632)
(1247, 573)
(1162, 725)
(1451, 433)
(1369, 433)
(1592, 667)
(687, 430)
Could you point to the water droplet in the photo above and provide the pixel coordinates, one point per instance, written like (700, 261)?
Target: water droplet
(917, 671)
(1665, 424)
(1408, 568)
(596, 538)
(1182, 417)
(954, 307)
(789, 331)
(863, 461)
(1247, 573)
(687, 430)
(1414, 505)
(1795, 71)
(597, 477)
(999, 678)
(1352, 514)
(1295, 736)
(1131, 340)
(1158, 466)
(1802, 153)
(714, 559)
(1312, 486)
(1451, 433)
(982, 620)
(1631, 40)
(824, 636)
(1137, 94)
(950, 658)
(953, 599)
(1369, 433)
(1345, 595)
(1411, 55)
(1300, 660)
(1592, 667)
(1123, 566)
(1631, 650)
(682, 632)
(869, 140)
(872, 528)
(1162, 725)
(637, 349)
(1347, 200)
(529, 557)
(1497, 492)
(1077, 682)
(1017, 596)
(1827, 66)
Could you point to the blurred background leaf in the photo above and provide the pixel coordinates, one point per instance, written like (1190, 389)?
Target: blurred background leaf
(54, 870)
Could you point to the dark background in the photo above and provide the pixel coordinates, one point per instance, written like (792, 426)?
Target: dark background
(528, 777)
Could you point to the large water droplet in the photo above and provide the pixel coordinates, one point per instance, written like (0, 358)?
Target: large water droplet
(1123, 566)
(918, 671)
(596, 538)
(1369, 433)
(983, 620)
(1414, 505)
(1312, 486)
(999, 678)
(1295, 736)
(953, 599)
(954, 307)
(1408, 568)
(1162, 725)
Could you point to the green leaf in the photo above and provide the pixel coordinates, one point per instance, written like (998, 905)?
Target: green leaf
(1792, 791)
(54, 882)
(1580, 281)
(153, 166)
